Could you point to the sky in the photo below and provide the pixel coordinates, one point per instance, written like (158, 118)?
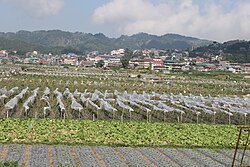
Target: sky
(219, 20)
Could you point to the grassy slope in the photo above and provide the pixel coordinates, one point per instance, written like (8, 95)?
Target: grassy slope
(116, 133)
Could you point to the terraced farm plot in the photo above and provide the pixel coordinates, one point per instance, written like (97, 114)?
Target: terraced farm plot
(53, 156)
(62, 114)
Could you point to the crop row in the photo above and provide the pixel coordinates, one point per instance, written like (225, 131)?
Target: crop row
(44, 155)
(106, 105)
(212, 87)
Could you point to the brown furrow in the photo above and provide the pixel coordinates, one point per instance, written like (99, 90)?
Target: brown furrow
(73, 153)
(159, 151)
(4, 151)
(26, 155)
(183, 154)
(50, 156)
(145, 157)
(98, 157)
(120, 155)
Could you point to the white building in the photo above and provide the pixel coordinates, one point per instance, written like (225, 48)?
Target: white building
(118, 52)
(71, 61)
(3, 53)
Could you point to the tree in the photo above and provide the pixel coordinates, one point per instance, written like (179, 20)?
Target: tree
(100, 64)
(128, 53)
(20, 52)
(71, 50)
(138, 54)
(4, 61)
(125, 61)
(126, 58)
(152, 54)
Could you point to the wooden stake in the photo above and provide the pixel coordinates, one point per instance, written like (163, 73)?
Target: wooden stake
(147, 116)
(130, 115)
(164, 116)
(214, 117)
(245, 119)
(181, 117)
(197, 115)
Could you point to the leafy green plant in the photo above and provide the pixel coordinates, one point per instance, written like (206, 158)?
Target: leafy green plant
(8, 164)
(116, 133)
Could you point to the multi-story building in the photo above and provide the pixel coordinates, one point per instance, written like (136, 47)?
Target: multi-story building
(118, 52)
(70, 61)
(3, 53)
(140, 63)
(246, 68)
(157, 64)
(96, 58)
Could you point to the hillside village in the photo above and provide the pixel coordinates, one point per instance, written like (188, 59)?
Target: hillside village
(163, 61)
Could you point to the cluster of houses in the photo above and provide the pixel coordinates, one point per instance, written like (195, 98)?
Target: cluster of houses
(157, 60)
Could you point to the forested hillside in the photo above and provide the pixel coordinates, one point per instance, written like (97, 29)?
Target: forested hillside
(59, 41)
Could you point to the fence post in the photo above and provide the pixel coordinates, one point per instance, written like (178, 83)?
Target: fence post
(237, 146)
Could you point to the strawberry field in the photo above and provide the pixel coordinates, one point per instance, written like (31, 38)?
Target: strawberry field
(64, 118)
(98, 96)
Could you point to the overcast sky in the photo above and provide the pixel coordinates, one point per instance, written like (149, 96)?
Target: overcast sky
(219, 20)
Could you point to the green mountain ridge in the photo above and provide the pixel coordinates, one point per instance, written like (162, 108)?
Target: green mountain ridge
(57, 41)
(237, 51)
